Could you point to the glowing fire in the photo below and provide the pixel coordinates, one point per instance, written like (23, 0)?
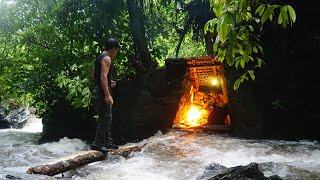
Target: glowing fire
(194, 115)
(214, 82)
(190, 114)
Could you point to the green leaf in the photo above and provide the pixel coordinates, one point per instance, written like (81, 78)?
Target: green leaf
(218, 10)
(266, 14)
(236, 64)
(237, 61)
(260, 48)
(255, 50)
(249, 15)
(216, 44)
(260, 62)
(251, 28)
(244, 77)
(284, 16)
(229, 56)
(241, 52)
(280, 18)
(236, 84)
(271, 16)
(243, 5)
(292, 13)
(206, 27)
(251, 73)
(260, 9)
(223, 29)
(210, 25)
(249, 48)
(221, 54)
(242, 62)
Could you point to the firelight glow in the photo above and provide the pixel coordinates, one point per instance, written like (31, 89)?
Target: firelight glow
(214, 81)
(190, 114)
(194, 115)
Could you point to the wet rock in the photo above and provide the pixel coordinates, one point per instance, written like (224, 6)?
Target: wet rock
(67, 121)
(3, 112)
(8, 176)
(251, 171)
(274, 177)
(144, 106)
(15, 118)
(212, 170)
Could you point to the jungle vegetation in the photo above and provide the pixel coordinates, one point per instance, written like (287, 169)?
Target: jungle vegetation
(47, 47)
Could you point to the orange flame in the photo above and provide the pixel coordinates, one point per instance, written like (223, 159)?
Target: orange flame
(190, 114)
(194, 116)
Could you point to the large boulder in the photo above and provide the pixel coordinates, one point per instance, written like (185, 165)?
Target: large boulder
(251, 171)
(142, 106)
(67, 121)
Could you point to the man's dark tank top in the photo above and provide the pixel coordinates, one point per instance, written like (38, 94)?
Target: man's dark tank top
(97, 92)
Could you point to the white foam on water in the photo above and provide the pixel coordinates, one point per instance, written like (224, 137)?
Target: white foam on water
(175, 155)
(33, 124)
(66, 146)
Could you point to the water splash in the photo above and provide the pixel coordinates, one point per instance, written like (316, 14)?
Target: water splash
(33, 124)
(176, 155)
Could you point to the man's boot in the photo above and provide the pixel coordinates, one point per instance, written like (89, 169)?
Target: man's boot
(100, 138)
(110, 145)
(103, 149)
(109, 142)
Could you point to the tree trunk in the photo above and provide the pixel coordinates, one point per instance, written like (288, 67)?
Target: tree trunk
(137, 29)
(209, 43)
(79, 160)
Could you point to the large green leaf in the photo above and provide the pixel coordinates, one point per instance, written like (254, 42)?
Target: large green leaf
(284, 15)
(223, 29)
(280, 18)
(260, 9)
(292, 13)
(266, 14)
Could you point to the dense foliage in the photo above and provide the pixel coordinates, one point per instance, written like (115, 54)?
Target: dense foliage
(237, 25)
(47, 47)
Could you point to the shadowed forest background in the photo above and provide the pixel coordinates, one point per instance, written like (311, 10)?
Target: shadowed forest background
(47, 50)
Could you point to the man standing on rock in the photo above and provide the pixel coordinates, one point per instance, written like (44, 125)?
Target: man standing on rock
(101, 95)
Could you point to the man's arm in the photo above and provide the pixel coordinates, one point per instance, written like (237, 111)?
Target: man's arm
(105, 67)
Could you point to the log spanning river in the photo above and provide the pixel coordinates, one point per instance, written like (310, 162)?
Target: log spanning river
(176, 155)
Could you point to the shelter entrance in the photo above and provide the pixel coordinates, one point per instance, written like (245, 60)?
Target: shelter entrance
(204, 103)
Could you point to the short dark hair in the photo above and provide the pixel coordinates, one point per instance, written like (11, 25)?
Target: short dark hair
(111, 43)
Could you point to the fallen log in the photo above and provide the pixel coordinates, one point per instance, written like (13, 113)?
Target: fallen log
(78, 160)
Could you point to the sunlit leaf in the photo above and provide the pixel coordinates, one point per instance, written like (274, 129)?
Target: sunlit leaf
(260, 9)
(223, 29)
(292, 13)
(266, 14)
(251, 73)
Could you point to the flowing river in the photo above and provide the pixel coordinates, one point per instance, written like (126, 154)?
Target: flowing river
(176, 155)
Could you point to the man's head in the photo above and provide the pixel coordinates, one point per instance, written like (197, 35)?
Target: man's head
(111, 43)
